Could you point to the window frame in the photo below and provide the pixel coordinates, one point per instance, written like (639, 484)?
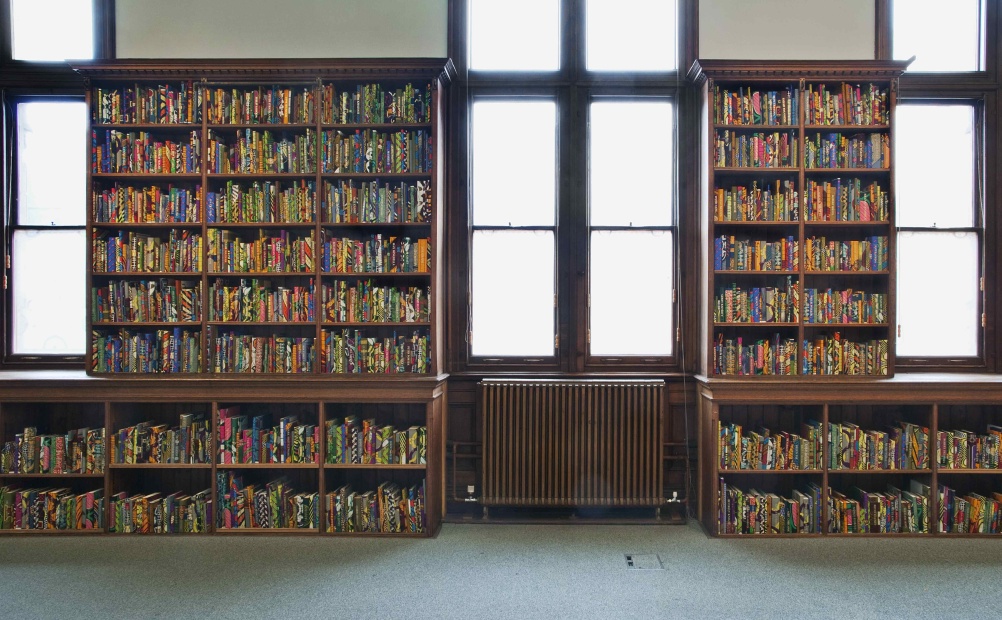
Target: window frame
(24, 81)
(980, 88)
(572, 88)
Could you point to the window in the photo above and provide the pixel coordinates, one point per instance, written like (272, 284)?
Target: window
(45, 158)
(939, 234)
(944, 201)
(571, 143)
(942, 36)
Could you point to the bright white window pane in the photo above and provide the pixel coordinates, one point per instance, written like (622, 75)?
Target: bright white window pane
(48, 280)
(631, 283)
(937, 298)
(935, 165)
(513, 289)
(630, 171)
(514, 35)
(52, 30)
(52, 163)
(631, 35)
(514, 163)
(943, 36)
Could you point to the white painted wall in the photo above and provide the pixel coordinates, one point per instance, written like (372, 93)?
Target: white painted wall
(281, 28)
(743, 29)
(787, 29)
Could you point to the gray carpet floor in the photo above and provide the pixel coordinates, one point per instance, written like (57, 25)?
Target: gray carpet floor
(500, 571)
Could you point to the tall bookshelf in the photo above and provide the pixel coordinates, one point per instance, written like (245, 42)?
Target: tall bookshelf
(266, 218)
(797, 213)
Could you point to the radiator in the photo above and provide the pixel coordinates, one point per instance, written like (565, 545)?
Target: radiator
(572, 443)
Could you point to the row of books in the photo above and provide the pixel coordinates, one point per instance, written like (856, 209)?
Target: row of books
(867, 254)
(158, 351)
(281, 252)
(143, 103)
(264, 104)
(844, 306)
(371, 151)
(836, 150)
(738, 254)
(254, 300)
(272, 505)
(375, 103)
(50, 509)
(767, 304)
(847, 105)
(973, 513)
(764, 356)
(261, 152)
(244, 353)
(893, 511)
(849, 201)
(767, 450)
(837, 355)
(182, 103)
(125, 204)
(389, 509)
(367, 443)
(153, 513)
(351, 352)
(377, 253)
(777, 201)
(758, 512)
(752, 106)
(149, 442)
(159, 300)
(364, 302)
(904, 446)
(136, 252)
(254, 439)
(962, 449)
(349, 202)
(77, 451)
(262, 201)
(733, 149)
(139, 152)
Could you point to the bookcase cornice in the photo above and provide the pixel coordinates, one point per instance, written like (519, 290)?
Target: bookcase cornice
(283, 69)
(808, 70)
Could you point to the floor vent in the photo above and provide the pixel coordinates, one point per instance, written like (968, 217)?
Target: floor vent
(644, 561)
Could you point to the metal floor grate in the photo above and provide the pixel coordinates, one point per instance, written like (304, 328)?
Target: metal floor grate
(644, 561)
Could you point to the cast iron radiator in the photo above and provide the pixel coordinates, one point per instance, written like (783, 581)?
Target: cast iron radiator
(572, 443)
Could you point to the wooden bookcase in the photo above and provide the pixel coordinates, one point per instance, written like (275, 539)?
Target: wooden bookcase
(54, 403)
(942, 404)
(241, 211)
(797, 217)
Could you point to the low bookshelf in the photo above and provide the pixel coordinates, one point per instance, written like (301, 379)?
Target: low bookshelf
(912, 455)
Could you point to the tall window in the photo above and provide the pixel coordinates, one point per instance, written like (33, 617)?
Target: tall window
(44, 161)
(570, 125)
(942, 194)
(939, 230)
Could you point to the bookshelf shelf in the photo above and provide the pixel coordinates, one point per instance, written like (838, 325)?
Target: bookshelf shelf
(160, 465)
(256, 225)
(149, 225)
(791, 472)
(371, 466)
(268, 126)
(51, 476)
(379, 126)
(144, 176)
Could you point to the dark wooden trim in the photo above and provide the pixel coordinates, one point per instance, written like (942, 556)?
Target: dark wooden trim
(884, 35)
(105, 32)
(242, 69)
(795, 69)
